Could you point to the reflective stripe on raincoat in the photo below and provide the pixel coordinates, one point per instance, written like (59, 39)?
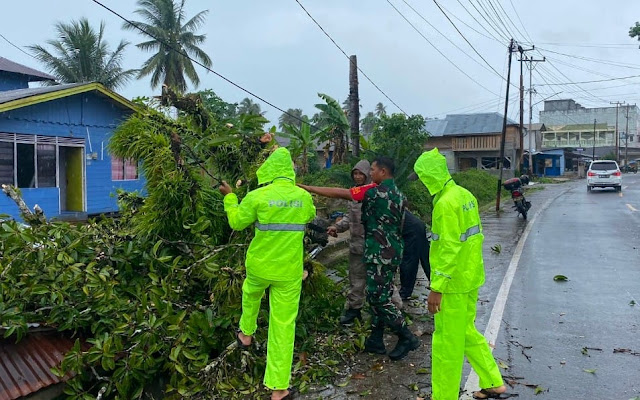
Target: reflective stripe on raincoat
(280, 210)
(456, 242)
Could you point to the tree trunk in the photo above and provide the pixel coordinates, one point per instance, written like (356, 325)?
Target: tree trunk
(354, 106)
(31, 218)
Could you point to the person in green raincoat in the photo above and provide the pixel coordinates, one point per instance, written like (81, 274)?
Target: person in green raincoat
(457, 272)
(280, 211)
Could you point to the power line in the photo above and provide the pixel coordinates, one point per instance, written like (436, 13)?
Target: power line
(479, 24)
(599, 80)
(594, 60)
(183, 53)
(438, 50)
(504, 25)
(450, 41)
(465, 39)
(509, 19)
(523, 26)
(17, 47)
(491, 23)
(346, 55)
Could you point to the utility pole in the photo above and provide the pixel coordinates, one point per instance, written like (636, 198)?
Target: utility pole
(626, 142)
(593, 151)
(522, 59)
(354, 105)
(617, 103)
(531, 61)
(504, 127)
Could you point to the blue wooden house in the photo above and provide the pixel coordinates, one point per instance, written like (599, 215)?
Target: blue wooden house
(53, 145)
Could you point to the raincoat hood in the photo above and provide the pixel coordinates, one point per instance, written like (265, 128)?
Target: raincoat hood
(277, 165)
(432, 170)
(363, 166)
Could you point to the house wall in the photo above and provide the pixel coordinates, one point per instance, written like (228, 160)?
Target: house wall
(89, 116)
(11, 81)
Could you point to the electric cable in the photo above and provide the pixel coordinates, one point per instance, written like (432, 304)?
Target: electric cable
(345, 54)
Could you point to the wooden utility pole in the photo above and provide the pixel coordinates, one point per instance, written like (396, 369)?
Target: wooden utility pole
(617, 103)
(354, 106)
(504, 127)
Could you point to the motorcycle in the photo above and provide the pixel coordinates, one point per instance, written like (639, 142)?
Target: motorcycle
(516, 187)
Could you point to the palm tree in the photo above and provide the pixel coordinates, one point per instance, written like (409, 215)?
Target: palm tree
(172, 40)
(80, 54)
(380, 110)
(335, 126)
(293, 116)
(368, 123)
(302, 142)
(248, 106)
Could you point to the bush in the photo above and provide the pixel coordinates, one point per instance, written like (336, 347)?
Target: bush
(420, 201)
(480, 183)
(337, 176)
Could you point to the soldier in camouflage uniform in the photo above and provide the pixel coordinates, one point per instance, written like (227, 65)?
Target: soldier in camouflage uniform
(382, 217)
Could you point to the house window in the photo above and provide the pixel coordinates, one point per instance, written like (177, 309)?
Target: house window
(28, 165)
(123, 170)
(46, 156)
(26, 155)
(6, 163)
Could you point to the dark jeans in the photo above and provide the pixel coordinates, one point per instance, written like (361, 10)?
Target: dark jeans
(416, 249)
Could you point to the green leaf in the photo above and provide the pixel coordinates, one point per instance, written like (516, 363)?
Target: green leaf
(343, 384)
(539, 390)
(421, 371)
(414, 387)
(502, 364)
(560, 278)
(632, 303)
(591, 371)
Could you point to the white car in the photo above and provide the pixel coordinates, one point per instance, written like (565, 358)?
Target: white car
(604, 173)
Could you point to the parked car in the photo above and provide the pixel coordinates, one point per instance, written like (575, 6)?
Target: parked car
(604, 173)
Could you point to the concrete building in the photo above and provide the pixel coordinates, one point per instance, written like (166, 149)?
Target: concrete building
(571, 126)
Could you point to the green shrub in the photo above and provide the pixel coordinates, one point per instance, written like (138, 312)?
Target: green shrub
(338, 175)
(420, 201)
(480, 183)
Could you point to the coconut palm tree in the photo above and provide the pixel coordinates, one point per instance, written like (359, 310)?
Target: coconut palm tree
(380, 110)
(80, 54)
(368, 123)
(171, 39)
(293, 116)
(248, 106)
(302, 142)
(335, 126)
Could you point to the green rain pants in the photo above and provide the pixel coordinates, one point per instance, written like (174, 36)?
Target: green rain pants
(284, 297)
(455, 337)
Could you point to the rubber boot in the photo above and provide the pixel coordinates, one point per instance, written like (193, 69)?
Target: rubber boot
(350, 316)
(407, 342)
(374, 343)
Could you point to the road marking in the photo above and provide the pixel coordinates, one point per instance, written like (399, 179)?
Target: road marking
(631, 207)
(493, 327)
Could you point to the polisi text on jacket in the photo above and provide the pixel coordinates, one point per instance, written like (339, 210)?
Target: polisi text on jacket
(285, 203)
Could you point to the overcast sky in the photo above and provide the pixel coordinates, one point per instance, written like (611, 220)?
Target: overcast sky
(273, 49)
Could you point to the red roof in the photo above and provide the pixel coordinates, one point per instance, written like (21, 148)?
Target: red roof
(25, 367)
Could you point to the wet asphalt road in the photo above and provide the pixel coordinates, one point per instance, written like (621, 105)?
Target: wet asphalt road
(594, 240)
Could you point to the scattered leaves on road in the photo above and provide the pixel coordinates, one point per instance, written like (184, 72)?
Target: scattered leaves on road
(632, 303)
(343, 384)
(502, 364)
(497, 248)
(538, 390)
(560, 278)
(358, 376)
(414, 387)
(365, 393)
(422, 371)
(590, 371)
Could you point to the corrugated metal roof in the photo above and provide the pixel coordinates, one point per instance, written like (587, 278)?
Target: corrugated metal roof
(480, 123)
(11, 95)
(25, 367)
(34, 75)
(436, 127)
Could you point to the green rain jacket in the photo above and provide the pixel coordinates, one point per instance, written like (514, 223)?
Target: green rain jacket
(456, 241)
(280, 211)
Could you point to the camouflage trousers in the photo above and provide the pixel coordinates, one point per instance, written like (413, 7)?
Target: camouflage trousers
(379, 296)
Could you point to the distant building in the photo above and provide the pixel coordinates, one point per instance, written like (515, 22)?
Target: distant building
(53, 145)
(472, 141)
(571, 126)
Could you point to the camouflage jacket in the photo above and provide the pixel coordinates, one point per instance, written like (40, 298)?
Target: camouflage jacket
(382, 217)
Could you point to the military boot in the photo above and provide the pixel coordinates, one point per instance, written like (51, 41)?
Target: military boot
(374, 343)
(350, 316)
(407, 342)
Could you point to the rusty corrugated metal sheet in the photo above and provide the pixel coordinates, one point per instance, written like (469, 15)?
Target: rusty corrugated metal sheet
(25, 367)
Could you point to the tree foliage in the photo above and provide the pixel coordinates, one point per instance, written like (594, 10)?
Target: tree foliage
(400, 137)
(334, 126)
(80, 54)
(634, 31)
(171, 39)
(152, 297)
(302, 143)
(293, 117)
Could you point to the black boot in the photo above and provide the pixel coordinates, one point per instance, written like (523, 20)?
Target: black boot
(350, 316)
(374, 343)
(407, 342)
